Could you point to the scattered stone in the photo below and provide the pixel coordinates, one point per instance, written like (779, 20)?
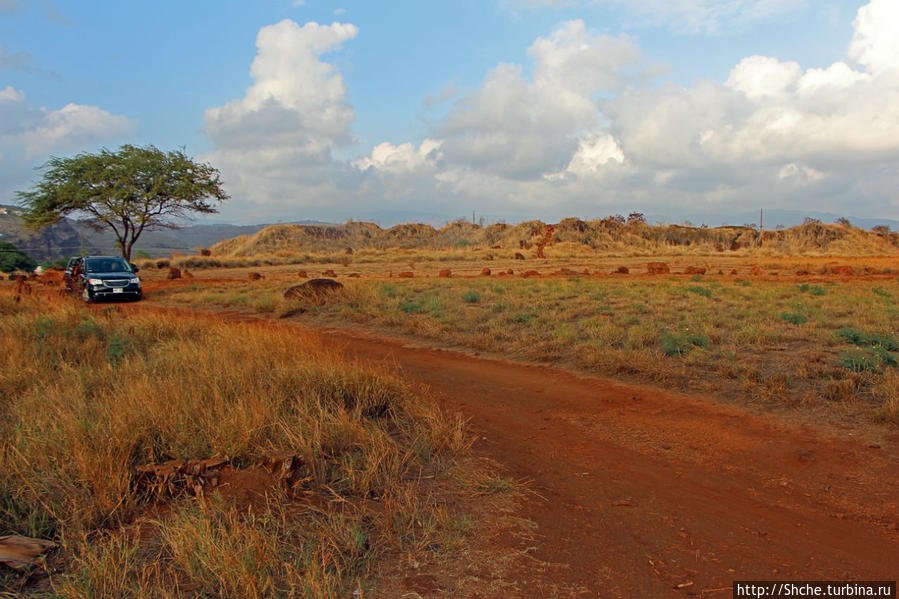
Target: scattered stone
(842, 270)
(329, 273)
(694, 270)
(302, 274)
(406, 274)
(529, 273)
(756, 271)
(623, 270)
(485, 272)
(255, 276)
(354, 275)
(519, 256)
(174, 273)
(445, 273)
(733, 271)
(657, 268)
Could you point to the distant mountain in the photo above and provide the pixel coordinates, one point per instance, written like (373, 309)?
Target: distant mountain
(69, 237)
(774, 219)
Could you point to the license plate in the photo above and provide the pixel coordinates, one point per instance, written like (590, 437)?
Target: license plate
(116, 290)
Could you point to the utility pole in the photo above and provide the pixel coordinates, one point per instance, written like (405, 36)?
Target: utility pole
(761, 219)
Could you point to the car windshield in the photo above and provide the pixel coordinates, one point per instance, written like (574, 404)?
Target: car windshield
(96, 265)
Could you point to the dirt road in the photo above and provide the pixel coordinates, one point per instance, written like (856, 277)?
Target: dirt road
(641, 493)
(649, 494)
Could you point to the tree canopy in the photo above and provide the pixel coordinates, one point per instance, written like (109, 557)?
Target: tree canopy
(12, 259)
(129, 191)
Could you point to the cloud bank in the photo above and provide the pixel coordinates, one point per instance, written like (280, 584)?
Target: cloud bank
(578, 131)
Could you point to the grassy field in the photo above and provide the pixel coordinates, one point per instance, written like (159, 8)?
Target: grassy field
(88, 396)
(826, 344)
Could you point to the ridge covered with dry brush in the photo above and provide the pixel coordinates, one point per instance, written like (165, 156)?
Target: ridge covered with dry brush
(608, 235)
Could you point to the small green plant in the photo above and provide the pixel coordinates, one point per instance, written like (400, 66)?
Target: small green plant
(412, 306)
(523, 317)
(703, 291)
(471, 297)
(794, 317)
(862, 339)
(811, 289)
(857, 360)
(882, 292)
(389, 290)
(679, 344)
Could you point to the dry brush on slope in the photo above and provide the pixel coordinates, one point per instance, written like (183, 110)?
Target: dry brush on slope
(95, 405)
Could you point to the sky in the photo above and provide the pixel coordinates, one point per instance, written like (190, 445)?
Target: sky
(510, 109)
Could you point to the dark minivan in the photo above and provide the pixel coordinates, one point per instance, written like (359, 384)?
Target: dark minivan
(103, 277)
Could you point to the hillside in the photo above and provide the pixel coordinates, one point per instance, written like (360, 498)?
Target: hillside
(609, 235)
(69, 237)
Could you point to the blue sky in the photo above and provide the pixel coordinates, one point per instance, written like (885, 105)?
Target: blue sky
(510, 108)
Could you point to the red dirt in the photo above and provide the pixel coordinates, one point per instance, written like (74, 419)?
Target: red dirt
(445, 273)
(547, 237)
(638, 491)
(643, 490)
(657, 268)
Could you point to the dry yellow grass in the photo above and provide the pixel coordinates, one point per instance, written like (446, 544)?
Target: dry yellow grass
(87, 396)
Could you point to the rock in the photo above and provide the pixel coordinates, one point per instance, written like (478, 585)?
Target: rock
(694, 270)
(623, 270)
(313, 289)
(354, 275)
(187, 274)
(519, 256)
(254, 276)
(406, 274)
(302, 274)
(756, 271)
(174, 273)
(485, 272)
(842, 270)
(733, 271)
(657, 268)
(329, 273)
(530, 273)
(22, 552)
(445, 273)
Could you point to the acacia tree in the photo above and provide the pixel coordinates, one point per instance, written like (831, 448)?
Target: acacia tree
(132, 190)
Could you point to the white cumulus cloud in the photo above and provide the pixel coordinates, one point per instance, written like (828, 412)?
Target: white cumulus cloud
(282, 132)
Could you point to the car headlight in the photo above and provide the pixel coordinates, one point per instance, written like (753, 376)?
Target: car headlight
(95, 281)
(135, 281)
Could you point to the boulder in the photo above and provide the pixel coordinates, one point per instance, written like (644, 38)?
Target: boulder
(657, 268)
(313, 289)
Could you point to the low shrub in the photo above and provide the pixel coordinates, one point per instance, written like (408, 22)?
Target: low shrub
(679, 344)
